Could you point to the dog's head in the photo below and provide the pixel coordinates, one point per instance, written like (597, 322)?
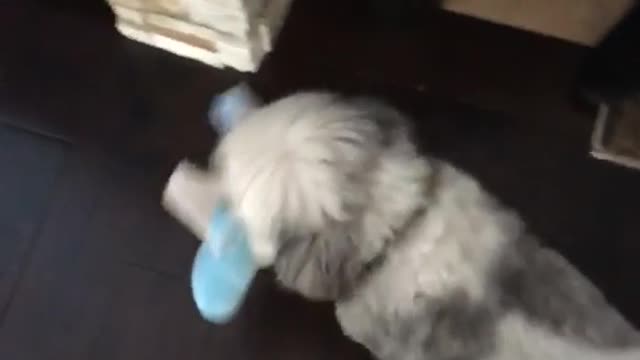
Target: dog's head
(321, 183)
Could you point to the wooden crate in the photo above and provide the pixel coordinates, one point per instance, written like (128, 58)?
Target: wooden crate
(235, 33)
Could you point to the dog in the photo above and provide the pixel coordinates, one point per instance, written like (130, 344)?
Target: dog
(420, 261)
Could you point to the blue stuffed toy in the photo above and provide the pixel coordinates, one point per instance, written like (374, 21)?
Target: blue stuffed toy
(224, 266)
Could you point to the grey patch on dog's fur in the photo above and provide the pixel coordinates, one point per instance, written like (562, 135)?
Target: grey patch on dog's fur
(392, 123)
(453, 328)
(461, 330)
(321, 267)
(549, 291)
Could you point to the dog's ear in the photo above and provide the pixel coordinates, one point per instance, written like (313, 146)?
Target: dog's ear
(321, 267)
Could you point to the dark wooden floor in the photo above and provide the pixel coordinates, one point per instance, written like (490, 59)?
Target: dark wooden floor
(91, 125)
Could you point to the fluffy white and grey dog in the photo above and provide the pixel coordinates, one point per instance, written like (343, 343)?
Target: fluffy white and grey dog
(421, 262)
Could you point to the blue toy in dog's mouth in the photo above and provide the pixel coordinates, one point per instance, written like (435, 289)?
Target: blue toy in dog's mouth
(223, 268)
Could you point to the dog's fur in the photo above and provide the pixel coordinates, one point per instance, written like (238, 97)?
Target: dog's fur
(420, 261)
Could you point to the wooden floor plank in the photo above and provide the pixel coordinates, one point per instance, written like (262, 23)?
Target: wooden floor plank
(59, 303)
(30, 165)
